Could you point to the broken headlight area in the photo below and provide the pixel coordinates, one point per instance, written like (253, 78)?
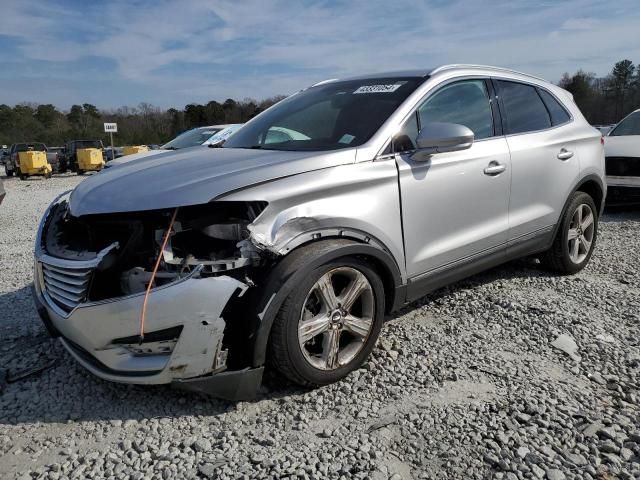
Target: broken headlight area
(206, 240)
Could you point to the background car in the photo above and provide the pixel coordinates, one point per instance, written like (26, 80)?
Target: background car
(55, 159)
(70, 153)
(11, 166)
(604, 129)
(112, 154)
(622, 159)
(214, 135)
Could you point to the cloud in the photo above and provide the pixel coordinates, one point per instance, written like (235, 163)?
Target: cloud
(195, 50)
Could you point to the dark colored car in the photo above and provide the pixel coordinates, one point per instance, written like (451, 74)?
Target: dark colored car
(69, 153)
(56, 160)
(11, 162)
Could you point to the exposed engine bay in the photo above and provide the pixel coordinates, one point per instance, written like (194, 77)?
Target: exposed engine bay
(211, 238)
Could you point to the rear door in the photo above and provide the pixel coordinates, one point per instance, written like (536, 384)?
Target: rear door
(544, 159)
(453, 208)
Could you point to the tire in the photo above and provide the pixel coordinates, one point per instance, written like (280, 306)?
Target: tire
(79, 172)
(305, 364)
(21, 175)
(8, 172)
(563, 257)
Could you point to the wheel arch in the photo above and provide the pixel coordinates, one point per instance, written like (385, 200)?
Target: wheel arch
(280, 281)
(591, 185)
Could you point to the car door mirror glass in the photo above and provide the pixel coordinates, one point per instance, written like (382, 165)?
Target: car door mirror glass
(440, 137)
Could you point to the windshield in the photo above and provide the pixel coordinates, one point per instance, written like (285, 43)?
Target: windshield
(326, 117)
(628, 126)
(191, 138)
(80, 144)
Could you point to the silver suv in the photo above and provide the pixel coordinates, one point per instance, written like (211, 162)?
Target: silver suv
(289, 245)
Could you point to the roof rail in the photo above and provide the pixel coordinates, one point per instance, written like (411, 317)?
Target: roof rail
(485, 67)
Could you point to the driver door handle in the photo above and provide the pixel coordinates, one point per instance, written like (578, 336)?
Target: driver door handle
(565, 154)
(494, 168)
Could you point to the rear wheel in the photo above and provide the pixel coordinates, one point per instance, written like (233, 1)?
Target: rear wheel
(576, 236)
(21, 175)
(8, 172)
(79, 172)
(329, 324)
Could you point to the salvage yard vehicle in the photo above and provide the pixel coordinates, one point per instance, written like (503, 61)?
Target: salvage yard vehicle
(27, 160)
(197, 268)
(54, 157)
(133, 149)
(213, 136)
(84, 155)
(622, 159)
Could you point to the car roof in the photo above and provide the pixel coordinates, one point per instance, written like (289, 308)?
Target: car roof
(427, 72)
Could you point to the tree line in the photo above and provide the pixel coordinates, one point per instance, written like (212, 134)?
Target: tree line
(602, 100)
(144, 124)
(609, 99)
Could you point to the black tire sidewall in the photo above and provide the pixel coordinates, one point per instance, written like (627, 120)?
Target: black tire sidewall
(296, 298)
(579, 198)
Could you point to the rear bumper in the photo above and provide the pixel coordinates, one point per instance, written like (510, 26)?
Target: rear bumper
(183, 336)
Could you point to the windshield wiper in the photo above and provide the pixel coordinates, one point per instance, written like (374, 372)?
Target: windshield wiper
(256, 147)
(171, 148)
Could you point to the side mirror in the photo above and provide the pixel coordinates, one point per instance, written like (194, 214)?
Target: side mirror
(437, 137)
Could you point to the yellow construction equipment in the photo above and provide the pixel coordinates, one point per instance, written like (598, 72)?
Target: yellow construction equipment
(33, 163)
(134, 149)
(89, 159)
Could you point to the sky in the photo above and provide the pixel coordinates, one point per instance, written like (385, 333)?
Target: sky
(173, 52)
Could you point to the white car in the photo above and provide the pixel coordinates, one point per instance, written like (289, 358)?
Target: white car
(211, 135)
(622, 152)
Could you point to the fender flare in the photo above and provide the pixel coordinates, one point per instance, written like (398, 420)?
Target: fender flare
(292, 268)
(580, 183)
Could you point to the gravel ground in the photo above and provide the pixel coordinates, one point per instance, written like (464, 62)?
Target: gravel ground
(466, 383)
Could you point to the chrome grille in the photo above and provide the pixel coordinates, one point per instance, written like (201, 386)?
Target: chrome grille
(66, 286)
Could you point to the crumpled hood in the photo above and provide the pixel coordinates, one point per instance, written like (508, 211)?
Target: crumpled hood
(191, 176)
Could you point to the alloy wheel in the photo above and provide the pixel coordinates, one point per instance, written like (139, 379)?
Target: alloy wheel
(336, 318)
(581, 232)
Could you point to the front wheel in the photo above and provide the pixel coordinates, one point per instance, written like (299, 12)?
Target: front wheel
(8, 172)
(329, 324)
(576, 236)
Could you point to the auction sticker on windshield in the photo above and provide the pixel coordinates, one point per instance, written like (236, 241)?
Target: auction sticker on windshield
(379, 88)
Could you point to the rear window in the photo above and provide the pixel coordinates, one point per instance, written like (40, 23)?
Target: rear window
(558, 114)
(524, 109)
(629, 126)
(25, 147)
(80, 144)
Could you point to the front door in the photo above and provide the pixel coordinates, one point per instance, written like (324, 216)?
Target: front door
(455, 205)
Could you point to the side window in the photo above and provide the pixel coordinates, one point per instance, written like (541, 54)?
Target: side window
(628, 126)
(523, 107)
(466, 103)
(558, 114)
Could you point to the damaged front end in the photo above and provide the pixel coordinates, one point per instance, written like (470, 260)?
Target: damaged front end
(92, 272)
